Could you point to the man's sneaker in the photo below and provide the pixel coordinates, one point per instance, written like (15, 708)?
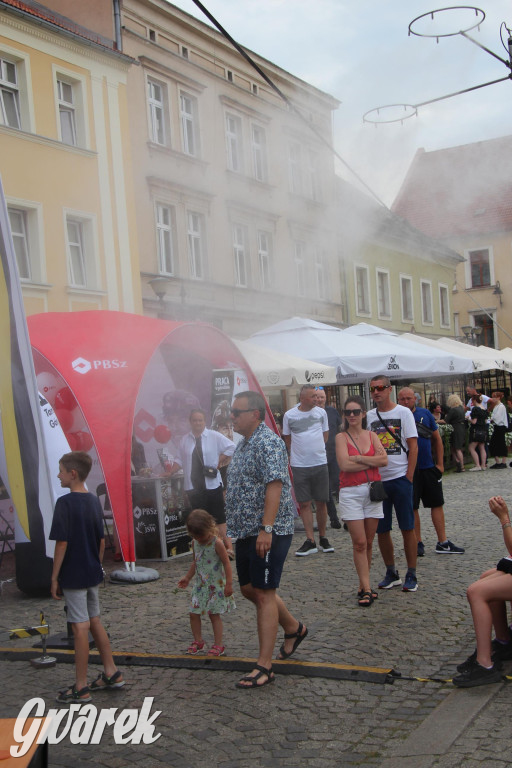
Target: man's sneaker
(391, 579)
(410, 583)
(477, 675)
(323, 544)
(335, 522)
(421, 549)
(448, 549)
(308, 548)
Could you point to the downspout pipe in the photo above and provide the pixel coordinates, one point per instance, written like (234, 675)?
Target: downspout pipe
(117, 25)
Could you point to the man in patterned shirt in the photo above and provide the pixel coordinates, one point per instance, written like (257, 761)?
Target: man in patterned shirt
(260, 514)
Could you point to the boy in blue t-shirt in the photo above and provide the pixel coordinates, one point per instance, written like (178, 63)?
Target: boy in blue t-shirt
(77, 529)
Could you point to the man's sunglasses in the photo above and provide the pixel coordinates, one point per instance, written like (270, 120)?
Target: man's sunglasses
(379, 387)
(352, 411)
(237, 411)
(317, 388)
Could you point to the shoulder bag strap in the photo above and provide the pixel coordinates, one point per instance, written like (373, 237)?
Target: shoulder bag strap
(406, 450)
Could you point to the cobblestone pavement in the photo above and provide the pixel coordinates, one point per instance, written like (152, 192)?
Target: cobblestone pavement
(205, 721)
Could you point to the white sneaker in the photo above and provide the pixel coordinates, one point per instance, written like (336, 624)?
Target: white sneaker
(475, 469)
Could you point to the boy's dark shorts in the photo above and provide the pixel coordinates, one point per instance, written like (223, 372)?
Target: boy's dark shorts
(261, 572)
(428, 488)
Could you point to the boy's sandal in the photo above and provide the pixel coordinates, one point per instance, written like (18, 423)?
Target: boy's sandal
(365, 600)
(195, 647)
(72, 695)
(374, 594)
(111, 682)
(253, 681)
(299, 638)
(216, 650)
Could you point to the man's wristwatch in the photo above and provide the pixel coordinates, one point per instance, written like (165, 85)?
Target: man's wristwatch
(266, 528)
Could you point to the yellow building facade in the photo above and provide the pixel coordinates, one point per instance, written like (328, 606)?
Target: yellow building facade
(65, 163)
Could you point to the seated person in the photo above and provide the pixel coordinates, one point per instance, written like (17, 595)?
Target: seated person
(487, 598)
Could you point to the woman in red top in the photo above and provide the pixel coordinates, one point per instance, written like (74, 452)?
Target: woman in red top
(359, 454)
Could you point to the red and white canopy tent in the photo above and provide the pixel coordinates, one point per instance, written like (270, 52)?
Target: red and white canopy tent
(96, 363)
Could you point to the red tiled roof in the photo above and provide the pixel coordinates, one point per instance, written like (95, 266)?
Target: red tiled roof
(46, 15)
(459, 191)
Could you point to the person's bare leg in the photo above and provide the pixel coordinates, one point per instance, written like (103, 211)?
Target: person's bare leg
(218, 628)
(410, 547)
(386, 548)
(437, 514)
(474, 455)
(417, 525)
(306, 515)
(357, 532)
(370, 527)
(483, 455)
(267, 617)
(81, 642)
(321, 517)
(195, 626)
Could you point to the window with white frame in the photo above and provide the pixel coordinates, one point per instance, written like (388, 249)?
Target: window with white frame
(234, 143)
(444, 306)
(259, 152)
(157, 104)
(300, 269)
(295, 168)
(480, 268)
(189, 124)
(383, 294)
(165, 234)
(406, 299)
(77, 253)
(9, 94)
(265, 259)
(312, 176)
(196, 244)
(67, 112)
(426, 302)
(362, 280)
(322, 276)
(20, 238)
(240, 255)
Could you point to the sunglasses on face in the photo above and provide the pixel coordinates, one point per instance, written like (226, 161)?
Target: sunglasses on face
(235, 412)
(379, 387)
(317, 388)
(352, 411)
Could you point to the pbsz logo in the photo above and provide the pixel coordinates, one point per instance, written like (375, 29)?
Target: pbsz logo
(81, 365)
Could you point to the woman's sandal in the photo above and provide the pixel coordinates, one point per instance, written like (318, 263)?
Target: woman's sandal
(375, 596)
(299, 638)
(365, 600)
(113, 682)
(195, 647)
(216, 650)
(71, 695)
(253, 680)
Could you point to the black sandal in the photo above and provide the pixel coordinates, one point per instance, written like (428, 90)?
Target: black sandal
(72, 695)
(375, 596)
(252, 680)
(365, 600)
(299, 638)
(109, 683)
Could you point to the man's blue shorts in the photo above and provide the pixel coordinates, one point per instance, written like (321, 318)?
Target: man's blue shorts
(399, 493)
(261, 572)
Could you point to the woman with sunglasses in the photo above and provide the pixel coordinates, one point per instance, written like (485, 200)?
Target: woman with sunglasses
(359, 453)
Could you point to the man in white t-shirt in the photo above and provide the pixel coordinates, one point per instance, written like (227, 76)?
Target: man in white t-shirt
(305, 432)
(396, 429)
(471, 392)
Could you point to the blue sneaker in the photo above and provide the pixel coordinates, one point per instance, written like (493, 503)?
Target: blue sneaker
(410, 583)
(391, 579)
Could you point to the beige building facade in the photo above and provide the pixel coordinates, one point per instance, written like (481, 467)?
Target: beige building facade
(65, 163)
(235, 193)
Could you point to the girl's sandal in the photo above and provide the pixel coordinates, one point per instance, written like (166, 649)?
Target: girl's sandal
(196, 646)
(365, 600)
(375, 595)
(72, 696)
(112, 682)
(216, 650)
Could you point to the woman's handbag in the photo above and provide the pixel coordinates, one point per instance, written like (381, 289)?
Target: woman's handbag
(377, 492)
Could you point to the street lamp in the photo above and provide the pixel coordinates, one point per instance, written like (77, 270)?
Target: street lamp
(498, 292)
(472, 333)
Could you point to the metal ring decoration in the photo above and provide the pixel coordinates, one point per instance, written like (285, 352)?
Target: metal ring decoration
(440, 10)
(376, 120)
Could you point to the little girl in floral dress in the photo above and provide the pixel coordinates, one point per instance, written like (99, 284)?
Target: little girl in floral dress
(212, 589)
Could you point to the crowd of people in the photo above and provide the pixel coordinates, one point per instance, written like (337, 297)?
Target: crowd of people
(390, 457)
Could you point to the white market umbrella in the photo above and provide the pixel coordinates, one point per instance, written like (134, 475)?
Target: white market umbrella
(483, 358)
(273, 369)
(356, 358)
